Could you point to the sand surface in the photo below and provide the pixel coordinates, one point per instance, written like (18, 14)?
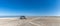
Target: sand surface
(30, 22)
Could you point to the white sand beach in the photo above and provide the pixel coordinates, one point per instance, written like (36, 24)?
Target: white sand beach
(30, 21)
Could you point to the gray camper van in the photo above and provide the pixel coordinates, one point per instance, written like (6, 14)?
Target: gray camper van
(22, 17)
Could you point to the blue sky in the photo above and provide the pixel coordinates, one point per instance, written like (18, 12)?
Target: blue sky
(29, 7)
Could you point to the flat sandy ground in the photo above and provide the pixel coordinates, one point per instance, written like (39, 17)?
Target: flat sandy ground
(30, 22)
